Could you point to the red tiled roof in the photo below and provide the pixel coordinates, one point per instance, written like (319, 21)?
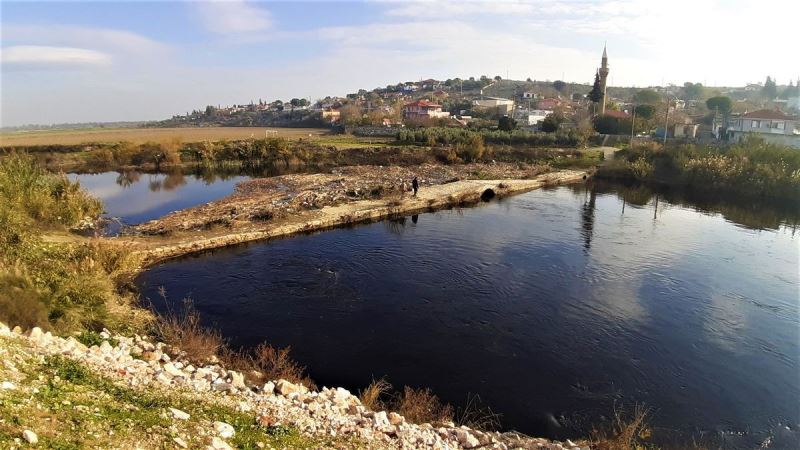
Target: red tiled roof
(617, 114)
(766, 114)
(424, 104)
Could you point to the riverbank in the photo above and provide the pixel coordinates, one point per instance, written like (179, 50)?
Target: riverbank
(285, 205)
(126, 392)
(751, 168)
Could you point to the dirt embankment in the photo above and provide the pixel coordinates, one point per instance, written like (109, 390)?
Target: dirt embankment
(279, 206)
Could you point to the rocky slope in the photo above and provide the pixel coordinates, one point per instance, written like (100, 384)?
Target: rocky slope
(129, 392)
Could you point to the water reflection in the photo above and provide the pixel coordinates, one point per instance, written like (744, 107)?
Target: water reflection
(756, 214)
(587, 218)
(554, 306)
(133, 197)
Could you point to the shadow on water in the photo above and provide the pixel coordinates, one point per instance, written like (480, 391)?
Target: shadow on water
(554, 306)
(754, 214)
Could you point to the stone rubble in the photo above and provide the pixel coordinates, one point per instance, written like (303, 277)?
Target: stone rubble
(328, 412)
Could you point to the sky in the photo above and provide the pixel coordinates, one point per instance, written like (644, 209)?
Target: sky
(64, 62)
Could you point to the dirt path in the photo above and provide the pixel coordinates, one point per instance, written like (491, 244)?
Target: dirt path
(177, 242)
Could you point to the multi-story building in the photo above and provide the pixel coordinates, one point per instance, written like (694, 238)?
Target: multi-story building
(773, 125)
(424, 109)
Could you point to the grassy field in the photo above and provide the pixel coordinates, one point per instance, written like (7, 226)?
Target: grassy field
(142, 135)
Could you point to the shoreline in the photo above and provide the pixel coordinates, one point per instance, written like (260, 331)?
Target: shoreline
(156, 249)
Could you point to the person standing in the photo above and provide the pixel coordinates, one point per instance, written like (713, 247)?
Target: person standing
(415, 186)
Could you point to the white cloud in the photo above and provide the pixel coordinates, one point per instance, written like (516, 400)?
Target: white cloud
(38, 56)
(233, 16)
(101, 39)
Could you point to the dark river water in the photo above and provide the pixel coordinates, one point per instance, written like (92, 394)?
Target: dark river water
(555, 307)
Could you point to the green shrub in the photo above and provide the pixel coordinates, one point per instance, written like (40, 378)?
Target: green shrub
(752, 167)
(27, 189)
(62, 285)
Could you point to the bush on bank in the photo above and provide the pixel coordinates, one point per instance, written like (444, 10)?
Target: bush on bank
(53, 282)
(450, 136)
(752, 167)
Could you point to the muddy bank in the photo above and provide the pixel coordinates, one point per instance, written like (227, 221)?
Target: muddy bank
(280, 206)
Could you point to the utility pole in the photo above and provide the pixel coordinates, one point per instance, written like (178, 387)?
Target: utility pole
(666, 122)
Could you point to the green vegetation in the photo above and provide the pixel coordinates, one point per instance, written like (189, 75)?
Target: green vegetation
(75, 408)
(751, 168)
(647, 96)
(722, 104)
(446, 136)
(58, 283)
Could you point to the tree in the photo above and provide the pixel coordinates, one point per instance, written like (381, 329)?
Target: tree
(770, 89)
(551, 123)
(210, 111)
(790, 91)
(507, 123)
(529, 80)
(647, 97)
(645, 111)
(606, 124)
(692, 91)
(596, 94)
(722, 104)
(559, 85)
(350, 115)
(497, 78)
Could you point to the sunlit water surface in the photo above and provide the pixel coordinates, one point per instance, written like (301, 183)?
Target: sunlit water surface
(555, 306)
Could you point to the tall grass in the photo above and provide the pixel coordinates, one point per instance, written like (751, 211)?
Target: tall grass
(416, 405)
(37, 196)
(182, 329)
(448, 136)
(54, 283)
(626, 432)
(752, 167)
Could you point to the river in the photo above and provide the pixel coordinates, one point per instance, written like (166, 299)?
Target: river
(132, 197)
(555, 307)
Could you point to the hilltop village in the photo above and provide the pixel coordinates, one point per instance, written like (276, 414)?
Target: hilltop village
(691, 111)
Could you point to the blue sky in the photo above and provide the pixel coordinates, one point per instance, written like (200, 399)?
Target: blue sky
(106, 61)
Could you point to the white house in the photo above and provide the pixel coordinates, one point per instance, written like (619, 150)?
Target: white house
(530, 117)
(424, 109)
(503, 105)
(772, 125)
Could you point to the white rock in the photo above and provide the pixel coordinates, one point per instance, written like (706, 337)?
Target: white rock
(172, 370)
(30, 436)
(219, 444)
(222, 387)
(285, 388)
(35, 334)
(237, 379)
(269, 387)
(7, 385)
(466, 439)
(380, 419)
(395, 419)
(224, 430)
(105, 347)
(178, 414)
(180, 442)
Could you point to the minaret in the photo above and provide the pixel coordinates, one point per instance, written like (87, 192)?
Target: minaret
(603, 76)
